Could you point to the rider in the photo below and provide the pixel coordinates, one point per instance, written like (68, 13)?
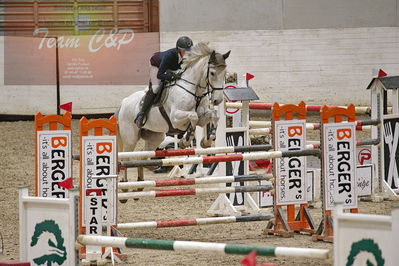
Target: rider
(161, 65)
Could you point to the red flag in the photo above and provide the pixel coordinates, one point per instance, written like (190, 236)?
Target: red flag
(67, 183)
(381, 73)
(67, 107)
(250, 259)
(249, 76)
(96, 191)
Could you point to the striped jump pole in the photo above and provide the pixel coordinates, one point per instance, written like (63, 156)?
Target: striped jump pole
(260, 131)
(267, 124)
(194, 181)
(268, 131)
(361, 142)
(193, 222)
(361, 125)
(220, 158)
(219, 248)
(365, 142)
(186, 152)
(192, 191)
(361, 110)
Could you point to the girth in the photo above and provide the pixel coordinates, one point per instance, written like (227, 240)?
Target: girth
(172, 130)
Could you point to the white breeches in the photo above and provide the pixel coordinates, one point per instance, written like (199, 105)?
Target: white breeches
(154, 80)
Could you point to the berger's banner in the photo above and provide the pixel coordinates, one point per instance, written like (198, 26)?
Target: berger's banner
(339, 165)
(290, 172)
(99, 159)
(53, 162)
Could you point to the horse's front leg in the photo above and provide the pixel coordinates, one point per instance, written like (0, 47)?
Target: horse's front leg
(207, 113)
(180, 119)
(209, 120)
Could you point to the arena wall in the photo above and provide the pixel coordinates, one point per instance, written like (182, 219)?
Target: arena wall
(318, 66)
(222, 15)
(319, 51)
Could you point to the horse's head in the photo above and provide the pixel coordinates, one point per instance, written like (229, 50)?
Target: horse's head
(216, 75)
(208, 70)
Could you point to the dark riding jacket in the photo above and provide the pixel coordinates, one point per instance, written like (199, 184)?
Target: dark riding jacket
(167, 60)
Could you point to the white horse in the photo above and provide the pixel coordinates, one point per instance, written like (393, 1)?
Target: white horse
(190, 102)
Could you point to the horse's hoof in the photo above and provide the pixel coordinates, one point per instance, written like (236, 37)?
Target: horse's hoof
(205, 144)
(182, 145)
(123, 201)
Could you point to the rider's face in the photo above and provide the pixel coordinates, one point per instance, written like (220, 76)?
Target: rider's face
(182, 52)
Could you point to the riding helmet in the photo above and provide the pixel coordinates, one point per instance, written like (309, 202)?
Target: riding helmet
(184, 43)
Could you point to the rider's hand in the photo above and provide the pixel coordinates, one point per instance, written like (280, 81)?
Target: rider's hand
(175, 76)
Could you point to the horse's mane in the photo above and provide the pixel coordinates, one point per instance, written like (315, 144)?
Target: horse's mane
(197, 52)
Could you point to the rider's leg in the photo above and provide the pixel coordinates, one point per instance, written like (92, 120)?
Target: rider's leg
(154, 79)
(149, 97)
(147, 103)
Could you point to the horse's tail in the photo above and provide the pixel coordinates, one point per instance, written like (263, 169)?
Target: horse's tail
(117, 112)
(118, 135)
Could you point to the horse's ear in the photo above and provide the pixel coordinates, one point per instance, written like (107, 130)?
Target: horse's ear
(213, 57)
(226, 55)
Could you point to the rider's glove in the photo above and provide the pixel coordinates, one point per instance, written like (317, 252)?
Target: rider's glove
(175, 76)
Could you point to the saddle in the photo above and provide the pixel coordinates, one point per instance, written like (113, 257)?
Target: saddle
(159, 99)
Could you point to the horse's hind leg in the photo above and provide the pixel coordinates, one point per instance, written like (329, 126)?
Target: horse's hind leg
(152, 140)
(128, 137)
(127, 140)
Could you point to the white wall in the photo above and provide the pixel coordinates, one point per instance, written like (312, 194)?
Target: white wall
(193, 15)
(96, 99)
(208, 15)
(319, 66)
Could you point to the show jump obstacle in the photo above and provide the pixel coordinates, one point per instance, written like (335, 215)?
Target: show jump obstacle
(219, 248)
(373, 235)
(290, 173)
(98, 191)
(98, 153)
(53, 151)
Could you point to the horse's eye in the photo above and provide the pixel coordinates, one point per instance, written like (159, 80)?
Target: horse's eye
(212, 74)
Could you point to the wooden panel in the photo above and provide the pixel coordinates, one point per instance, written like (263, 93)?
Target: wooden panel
(78, 17)
(153, 15)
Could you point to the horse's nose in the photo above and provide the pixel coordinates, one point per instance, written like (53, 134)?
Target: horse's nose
(217, 101)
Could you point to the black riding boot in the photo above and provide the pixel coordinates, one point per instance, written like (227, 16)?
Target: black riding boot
(147, 103)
